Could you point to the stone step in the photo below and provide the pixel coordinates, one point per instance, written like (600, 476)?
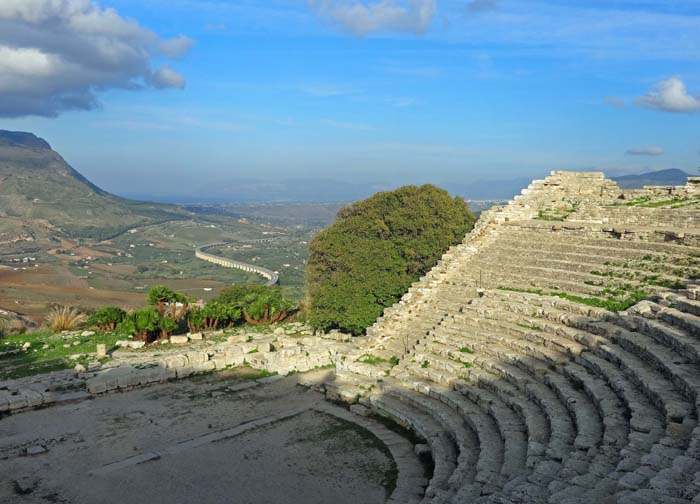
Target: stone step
(455, 412)
(683, 303)
(444, 451)
(662, 358)
(561, 427)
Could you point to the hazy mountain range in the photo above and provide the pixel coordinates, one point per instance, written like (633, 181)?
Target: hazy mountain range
(308, 190)
(43, 198)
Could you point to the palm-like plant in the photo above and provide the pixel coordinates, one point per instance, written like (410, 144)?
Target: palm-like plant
(160, 296)
(258, 304)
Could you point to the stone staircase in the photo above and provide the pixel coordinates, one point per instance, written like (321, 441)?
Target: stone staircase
(525, 388)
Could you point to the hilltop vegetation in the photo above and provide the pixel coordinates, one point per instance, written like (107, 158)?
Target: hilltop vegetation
(376, 248)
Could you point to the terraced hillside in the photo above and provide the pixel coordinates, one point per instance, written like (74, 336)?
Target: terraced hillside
(554, 356)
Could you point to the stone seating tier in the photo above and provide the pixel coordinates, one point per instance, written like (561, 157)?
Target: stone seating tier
(544, 399)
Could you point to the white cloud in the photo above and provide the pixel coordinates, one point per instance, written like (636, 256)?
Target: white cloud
(174, 48)
(362, 18)
(55, 55)
(165, 77)
(645, 151)
(671, 96)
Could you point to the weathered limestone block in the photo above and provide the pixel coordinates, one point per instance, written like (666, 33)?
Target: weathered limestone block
(179, 340)
(33, 398)
(194, 358)
(174, 361)
(18, 401)
(184, 372)
(219, 362)
(4, 401)
(234, 359)
(204, 367)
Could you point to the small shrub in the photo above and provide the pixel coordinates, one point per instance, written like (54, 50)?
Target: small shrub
(160, 296)
(259, 305)
(107, 318)
(64, 318)
(144, 324)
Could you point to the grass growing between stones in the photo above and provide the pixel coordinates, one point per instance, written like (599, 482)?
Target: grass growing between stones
(42, 352)
(374, 360)
(610, 304)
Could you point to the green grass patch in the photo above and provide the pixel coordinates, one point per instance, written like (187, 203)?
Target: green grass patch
(47, 352)
(610, 304)
(374, 360)
(466, 350)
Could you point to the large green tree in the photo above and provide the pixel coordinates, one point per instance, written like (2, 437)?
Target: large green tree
(376, 248)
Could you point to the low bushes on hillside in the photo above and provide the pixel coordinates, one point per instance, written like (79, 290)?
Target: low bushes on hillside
(107, 318)
(215, 314)
(376, 248)
(258, 304)
(161, 296)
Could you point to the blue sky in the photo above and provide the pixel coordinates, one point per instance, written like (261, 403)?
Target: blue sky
(388, 92)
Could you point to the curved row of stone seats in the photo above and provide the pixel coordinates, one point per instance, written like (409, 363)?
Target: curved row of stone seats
(640, 216)
(580, 268)
(678, 410)
(585, 419)
(606, 415)
(477, 471)
(562, 236)
(561, 438)
(609, 403)
(443, 449)
(492, 449)
(610, 409)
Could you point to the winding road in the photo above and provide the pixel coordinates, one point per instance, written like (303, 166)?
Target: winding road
(201, 253)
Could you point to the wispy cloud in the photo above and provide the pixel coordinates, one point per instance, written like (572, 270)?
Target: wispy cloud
(347, 125)
(614, 101)
(328, 90)
(401, 102)
(363, 18)
(670, 96)
(482, 5)
(413, 70)
(645, 151)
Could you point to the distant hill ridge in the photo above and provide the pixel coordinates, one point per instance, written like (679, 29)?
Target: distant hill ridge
(41, 194)
(671, 177)
(22, 139)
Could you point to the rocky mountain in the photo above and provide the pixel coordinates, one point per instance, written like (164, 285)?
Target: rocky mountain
(44, 198)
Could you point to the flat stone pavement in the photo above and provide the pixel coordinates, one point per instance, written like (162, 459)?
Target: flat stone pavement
(212, 439)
